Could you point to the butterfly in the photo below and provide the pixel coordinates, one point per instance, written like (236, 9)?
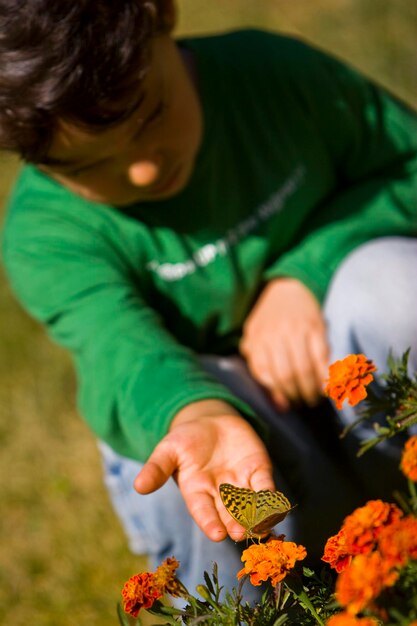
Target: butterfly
(256, 511)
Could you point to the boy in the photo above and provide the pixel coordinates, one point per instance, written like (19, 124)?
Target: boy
(188, 202)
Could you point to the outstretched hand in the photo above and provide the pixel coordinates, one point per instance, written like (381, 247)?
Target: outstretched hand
(209, 443)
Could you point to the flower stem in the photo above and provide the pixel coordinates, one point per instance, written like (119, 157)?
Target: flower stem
(413, 494)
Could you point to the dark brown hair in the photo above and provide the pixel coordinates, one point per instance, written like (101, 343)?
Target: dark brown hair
(70, 59)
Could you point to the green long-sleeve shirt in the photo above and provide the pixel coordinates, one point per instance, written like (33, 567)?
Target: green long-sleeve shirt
(302, 160)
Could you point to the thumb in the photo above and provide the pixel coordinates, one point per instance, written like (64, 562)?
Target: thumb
(159, 467)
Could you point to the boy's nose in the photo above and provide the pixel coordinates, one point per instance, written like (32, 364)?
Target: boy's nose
(143, 173)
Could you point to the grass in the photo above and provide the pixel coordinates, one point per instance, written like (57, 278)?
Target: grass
(63, 558)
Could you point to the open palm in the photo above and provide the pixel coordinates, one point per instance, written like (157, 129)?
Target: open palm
(202, 453)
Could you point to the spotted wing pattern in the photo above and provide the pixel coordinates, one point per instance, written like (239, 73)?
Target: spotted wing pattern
(257, 511)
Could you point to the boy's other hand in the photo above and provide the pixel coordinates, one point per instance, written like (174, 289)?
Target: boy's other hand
(284, 343)
(209, 443)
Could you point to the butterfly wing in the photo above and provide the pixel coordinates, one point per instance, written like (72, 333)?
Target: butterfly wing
(240, 504)
(271, 508)
(257, 511)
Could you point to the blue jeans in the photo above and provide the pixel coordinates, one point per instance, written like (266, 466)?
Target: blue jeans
(371, 308)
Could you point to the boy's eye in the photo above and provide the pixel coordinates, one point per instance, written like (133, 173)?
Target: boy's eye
(153, 116)
(156, 112)
(82, 170)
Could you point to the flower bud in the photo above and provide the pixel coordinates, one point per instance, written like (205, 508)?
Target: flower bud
(203, 591)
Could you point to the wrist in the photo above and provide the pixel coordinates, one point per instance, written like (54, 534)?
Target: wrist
(203, 409)
(287, 281)
(287, 286)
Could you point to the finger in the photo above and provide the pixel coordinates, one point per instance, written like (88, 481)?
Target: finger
(304, 372)
(235, 531)
(259, 363)
(262, 479)
(281, 401)
(160, 466)
(204, 510)
(319, 350)
(282, 370)
(260, 368)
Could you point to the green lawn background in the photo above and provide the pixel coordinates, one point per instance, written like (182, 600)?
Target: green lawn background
(63, 556)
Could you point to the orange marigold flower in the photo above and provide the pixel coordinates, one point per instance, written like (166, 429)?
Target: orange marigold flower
(165, 579)
(348, 379)
(363, 527)
(345, 619)
(139, 592)
(398, 542)
(336, 552)
(362, 582)
(271, 560)
(359, 533)
(409, 459)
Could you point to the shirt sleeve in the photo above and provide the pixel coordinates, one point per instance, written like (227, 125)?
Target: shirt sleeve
(371, 140)
(133, 375)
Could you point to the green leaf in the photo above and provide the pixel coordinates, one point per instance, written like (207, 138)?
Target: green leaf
(208, 582)
(281, 620)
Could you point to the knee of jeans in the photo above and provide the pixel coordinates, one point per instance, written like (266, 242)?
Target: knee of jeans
(155, 524)
(371, 302)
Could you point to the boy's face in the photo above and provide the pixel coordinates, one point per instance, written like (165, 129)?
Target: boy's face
(148, 156)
